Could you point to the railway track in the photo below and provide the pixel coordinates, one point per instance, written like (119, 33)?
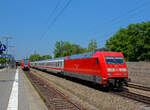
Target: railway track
(131, 85)
(54, 99)
(58, 101)
(134, 96)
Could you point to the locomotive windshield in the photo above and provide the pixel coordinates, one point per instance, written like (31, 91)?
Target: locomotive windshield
(25, 62)
(114, 60)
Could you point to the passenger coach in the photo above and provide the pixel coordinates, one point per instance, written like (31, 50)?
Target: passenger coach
(106, 68)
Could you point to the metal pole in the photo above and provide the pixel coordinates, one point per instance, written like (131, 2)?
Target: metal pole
(6, 52)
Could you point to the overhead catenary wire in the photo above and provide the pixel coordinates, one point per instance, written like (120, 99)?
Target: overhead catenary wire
(125, 14)
(114, 20)
(56, 17)
(109, 34)
(53, 11)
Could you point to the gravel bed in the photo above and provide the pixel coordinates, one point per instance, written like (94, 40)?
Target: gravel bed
(139, 72)
(91, 98)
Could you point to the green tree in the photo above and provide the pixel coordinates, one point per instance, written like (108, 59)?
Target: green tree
(133, 42)
(34, 57)
(76, 49)
(67, 49)
(63, 49)
(45, 57)
(92, 45)
(58, 49)
(2, 60)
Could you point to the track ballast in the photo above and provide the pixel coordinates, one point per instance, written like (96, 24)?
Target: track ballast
(134, 96)
(54, 99)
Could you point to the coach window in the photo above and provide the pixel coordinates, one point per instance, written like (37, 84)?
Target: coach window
(53, 64)
(57, 64)
(60, 64)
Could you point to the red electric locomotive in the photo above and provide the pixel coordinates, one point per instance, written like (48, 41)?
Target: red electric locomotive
(25, 65)
(106, 68)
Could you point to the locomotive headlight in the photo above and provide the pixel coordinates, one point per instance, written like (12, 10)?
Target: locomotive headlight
(124, 73)
(109, 73)
(110, 69)
(122, 69)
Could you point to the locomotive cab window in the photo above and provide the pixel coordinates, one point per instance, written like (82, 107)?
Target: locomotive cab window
(114, 60)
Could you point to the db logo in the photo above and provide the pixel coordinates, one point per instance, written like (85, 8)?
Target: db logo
(76, 66)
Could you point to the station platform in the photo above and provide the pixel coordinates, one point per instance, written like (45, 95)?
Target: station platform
(17, 93)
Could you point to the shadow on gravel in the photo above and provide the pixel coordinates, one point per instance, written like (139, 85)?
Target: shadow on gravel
(86, 83)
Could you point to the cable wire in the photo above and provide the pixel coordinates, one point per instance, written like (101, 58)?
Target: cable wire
(128, 12)
(54, 10)
(57, 16)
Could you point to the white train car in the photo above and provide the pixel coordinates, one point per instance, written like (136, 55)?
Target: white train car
(50, 65)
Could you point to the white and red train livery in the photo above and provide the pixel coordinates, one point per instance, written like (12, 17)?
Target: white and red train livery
(105, 68)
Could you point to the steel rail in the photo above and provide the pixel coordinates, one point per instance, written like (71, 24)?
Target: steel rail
(134, 96)
(54, 99)
(140, 87)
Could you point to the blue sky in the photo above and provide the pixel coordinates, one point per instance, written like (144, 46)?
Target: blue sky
(82, 21)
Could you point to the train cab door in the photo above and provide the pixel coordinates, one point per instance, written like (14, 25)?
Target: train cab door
(62, 66)
(97, 66)
(96, 70)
